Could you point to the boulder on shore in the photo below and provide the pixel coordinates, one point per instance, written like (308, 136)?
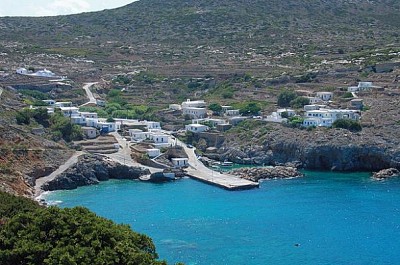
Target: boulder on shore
(278, 172)
(386, 173)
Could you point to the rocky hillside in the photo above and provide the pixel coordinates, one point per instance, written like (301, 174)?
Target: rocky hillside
(23, 155)
(205, 35)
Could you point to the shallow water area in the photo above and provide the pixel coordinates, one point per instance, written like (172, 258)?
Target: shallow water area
(323, 218)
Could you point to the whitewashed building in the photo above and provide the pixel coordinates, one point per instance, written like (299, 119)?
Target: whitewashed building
(100, 102)
(313, 107)
(325, 96)
(91, 122)
(89, 132)
(63, 104)
(362, 86)
(290, 112)
(180, 162)
(49, 102)
(92, 115)
(196, 128)
(232, 112)
(78, 120)
(159, 138)
(106, 126)
(69, 111)
(326, 117)
(314, 100)
(194, 104)
(45, 73)
(153, 125)
(153, 152)
(22, 71)
(195, 112)
(308, 122)
(139, 135)
(175, 107)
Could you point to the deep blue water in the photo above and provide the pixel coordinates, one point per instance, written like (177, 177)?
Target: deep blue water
(336, 219)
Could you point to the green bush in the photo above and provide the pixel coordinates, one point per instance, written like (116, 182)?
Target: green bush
(285, 97)
(215, 108)
(62, 127)
(299, 102)
(34, 93)
(23, 116)
(348, 95)
(34, 235)
(350, 125)
(250, 109)
(295, 122)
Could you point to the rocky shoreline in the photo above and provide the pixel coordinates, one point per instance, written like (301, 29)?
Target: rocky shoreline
(90, 170)
(386, 173)
(257, 174)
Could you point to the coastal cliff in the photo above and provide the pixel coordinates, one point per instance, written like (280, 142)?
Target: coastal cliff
(90, 170)
(320, 149)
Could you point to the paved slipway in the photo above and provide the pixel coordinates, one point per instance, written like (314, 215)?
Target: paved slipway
(69, 163)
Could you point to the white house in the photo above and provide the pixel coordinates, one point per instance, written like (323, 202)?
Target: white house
(213, 122)
(232, 112)
(92, 115)
(362, 86)
(153, 125)
(106, 126)
(236, 120)
(313, 107)
(92, 122)
(45, 73)
(100, 102)
(69, 111)
(196, 128)
(195, 112)
(180, 162)
(154, 152)
(314, 100)
(290, 112)
(325, 96)
(326, 117)
(22, 71)
(308, 122)
(193, 104)
(225, 108)
(159, 138)
(175, 107)
(78, 120)
(49, 102)
(63, 104)
(139, 135)
(90, 132)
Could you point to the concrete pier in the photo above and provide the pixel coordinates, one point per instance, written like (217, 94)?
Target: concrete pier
(225, 181)
(197, 170)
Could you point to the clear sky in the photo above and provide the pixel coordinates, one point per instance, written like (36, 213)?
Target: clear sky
(55, 7)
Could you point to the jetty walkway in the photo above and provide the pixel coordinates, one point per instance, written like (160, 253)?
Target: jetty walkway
(197, 170)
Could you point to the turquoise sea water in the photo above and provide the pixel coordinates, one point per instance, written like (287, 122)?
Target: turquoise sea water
(335, 218)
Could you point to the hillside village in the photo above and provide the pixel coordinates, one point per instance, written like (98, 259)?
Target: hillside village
(318, 109)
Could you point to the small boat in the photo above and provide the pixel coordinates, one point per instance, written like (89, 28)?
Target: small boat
(226, 164)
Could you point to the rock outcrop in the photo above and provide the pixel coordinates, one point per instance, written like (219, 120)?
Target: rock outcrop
(386, 173)
(256, 174)
(371, 149)
(91, 170)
